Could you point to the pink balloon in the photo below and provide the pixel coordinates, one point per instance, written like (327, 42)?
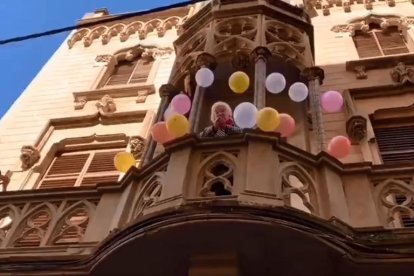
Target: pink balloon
(287, 125)
(339, 147)
(332, 101)
(181, 104)
(160, 133)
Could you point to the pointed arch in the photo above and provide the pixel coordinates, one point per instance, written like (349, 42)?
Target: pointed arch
(32, 227)
(234, 44)
(77, 36)
(72, 223)
(112, 32)
(94, 34)
(216, 173)
(9, 215)
(148, 194)
(130, 29)
(296, 180)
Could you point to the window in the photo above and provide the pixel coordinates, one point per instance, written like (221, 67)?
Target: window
(396, 144)
(130, 72)
(378, 42)
(86, 168)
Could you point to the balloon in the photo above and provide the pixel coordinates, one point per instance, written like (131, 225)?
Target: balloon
(204, 77)
(178, 125)
(275, 83)
(298, 92)
(160, 133)
(332, 101)
(168, 112)
(287, 125)
(181, 104)
(239, 82)
(123, 161)
(267, 119)
(245, 115)
(339, 147)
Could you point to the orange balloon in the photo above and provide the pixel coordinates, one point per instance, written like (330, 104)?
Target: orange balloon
(160, 133)
(287, 125)
(339, 147)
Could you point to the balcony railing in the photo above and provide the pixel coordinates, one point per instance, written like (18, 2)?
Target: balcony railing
(252, 169)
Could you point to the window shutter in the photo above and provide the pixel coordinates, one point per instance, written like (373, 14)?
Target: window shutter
(406, 221)
(366, 45)
(101, 169)
(142, 71)
(391, 41)
(122, 73)
(64, 171)
(396, 144)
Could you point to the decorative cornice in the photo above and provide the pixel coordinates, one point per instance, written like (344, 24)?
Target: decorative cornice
(125, 30)
(325, 5)
(362, 24)
(141, 91)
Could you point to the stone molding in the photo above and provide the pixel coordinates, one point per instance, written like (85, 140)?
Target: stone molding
(325, 5)
(124, 31)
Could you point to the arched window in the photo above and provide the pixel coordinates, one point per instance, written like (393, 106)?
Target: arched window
(130, 71)
(380, 42)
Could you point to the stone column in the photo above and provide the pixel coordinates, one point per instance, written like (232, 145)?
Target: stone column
(204, 60)
(260, 56)
(167, 91)
(314, 76)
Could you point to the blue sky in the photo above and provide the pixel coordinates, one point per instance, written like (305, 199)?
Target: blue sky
(20, 62)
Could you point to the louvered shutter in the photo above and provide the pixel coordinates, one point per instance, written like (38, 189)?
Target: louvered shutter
(101, 169)
(391, 42)
(64, 171)
(366, 45)
(396, 144)
(122, 73)
(142, 71)
(406, 221)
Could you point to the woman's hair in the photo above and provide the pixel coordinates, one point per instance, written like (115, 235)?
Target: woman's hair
(217, 104)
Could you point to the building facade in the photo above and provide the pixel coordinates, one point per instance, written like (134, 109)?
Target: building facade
(289, 207)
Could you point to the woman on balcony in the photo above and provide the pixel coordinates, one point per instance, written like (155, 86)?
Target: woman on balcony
(223, 123)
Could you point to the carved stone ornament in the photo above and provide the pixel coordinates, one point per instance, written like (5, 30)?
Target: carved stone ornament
(106, 104)
(80, 103)
(168, 90)
(312, 73)
(4, 181)
(105, 58)
(29, 156)
(260, 53)
(142, 29)
(360, 72)
(402, 74)
(137, 145)
(206, 60)
(356, 128)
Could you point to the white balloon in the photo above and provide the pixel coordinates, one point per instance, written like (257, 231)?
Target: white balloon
(245, 115)
(298, 92)
(204, 77)
(275, 83)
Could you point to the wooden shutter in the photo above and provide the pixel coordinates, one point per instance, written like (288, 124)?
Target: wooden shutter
(366, 45)
(142, 71)
(396, 144)
(64, 171)
(391, 41)
(122, 72)
(101, 169)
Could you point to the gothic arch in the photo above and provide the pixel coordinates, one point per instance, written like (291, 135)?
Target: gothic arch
(73, 221)
(130, 29)
(217, 174)
(112, 32)
(77, 36)
(9, 215)
(234, 44)
(294, 179)
(386, 193)
(94, 34)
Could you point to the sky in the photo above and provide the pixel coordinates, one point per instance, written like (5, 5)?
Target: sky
(21, 61)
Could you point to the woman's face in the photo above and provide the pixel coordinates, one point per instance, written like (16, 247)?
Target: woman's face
(222, 112)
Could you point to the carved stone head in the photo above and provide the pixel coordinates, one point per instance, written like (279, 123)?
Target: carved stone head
(29, 156)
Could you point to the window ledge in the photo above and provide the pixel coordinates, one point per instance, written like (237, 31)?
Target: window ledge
(123, 91)
(362, 65)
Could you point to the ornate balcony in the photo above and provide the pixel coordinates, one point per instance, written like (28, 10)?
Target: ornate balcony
(217, 195)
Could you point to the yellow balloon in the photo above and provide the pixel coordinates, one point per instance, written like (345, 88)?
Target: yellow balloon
(123, 161)
(239, 82)
(178, 125)
(267, 119)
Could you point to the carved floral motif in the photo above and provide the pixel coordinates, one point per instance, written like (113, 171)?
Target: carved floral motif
(29, 156)
(137, 146)
(402, 74)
